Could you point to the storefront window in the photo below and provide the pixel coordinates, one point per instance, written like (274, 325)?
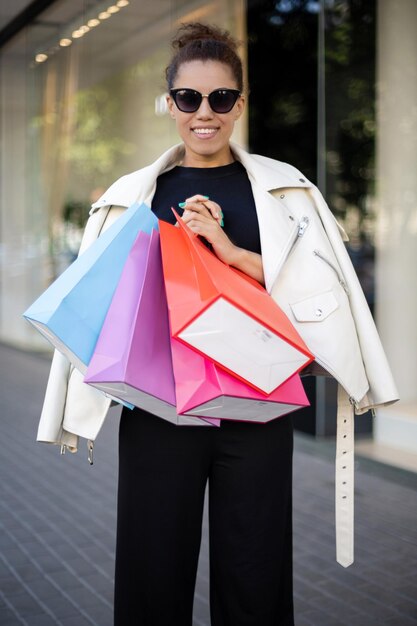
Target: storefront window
(82, 92)
(312, 72)
(348, 138)
(282, 69)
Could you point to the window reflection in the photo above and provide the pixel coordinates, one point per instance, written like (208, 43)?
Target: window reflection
(79, 89)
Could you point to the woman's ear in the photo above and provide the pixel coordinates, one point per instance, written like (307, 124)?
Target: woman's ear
(240, 107)
(171, 106)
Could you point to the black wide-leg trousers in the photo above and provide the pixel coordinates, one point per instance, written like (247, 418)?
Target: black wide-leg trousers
(163, 472)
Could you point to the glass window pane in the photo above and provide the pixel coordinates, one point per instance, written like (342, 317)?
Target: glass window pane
(82, 92)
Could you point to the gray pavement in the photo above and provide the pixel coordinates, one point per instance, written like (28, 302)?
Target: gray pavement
(57, 518)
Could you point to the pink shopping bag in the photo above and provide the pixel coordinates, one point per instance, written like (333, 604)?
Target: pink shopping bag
(206, 390)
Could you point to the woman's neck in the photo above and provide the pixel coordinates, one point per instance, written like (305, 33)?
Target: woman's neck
(201, 160)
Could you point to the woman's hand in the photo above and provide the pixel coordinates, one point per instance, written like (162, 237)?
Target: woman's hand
(204, 217)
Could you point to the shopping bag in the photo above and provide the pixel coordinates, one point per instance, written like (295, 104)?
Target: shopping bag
(205, 389)
(225, 315)
(71, 312)
(132, 358)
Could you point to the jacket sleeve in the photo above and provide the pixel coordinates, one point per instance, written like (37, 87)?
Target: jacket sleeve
(71, 408)
(382, 389)
(50, 428)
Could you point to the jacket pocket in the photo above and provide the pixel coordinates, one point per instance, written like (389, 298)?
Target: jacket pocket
(315, 308)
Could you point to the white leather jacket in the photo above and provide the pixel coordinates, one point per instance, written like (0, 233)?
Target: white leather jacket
(307, 271)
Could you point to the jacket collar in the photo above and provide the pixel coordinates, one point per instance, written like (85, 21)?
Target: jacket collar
(140, 185)
(269, 173)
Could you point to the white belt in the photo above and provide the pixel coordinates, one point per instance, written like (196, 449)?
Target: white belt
(344, 488)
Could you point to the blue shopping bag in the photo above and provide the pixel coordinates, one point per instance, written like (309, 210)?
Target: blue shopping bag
(71, 312)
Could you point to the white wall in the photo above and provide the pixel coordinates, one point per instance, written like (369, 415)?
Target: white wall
(396, 261)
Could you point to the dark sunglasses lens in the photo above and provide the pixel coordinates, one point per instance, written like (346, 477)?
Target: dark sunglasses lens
(223, 100)
(187, 100)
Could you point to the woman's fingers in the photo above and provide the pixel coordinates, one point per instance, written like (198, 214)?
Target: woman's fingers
(203, 205)
(204, 217)
(195, 219)
(205, 214)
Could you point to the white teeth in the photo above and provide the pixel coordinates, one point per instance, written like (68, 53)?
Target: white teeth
(204, 131)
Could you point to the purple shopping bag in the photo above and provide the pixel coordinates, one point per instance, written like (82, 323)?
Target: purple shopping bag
(132, 358)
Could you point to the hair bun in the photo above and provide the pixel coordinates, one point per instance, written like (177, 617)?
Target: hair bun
(195, 31)
(203, 42)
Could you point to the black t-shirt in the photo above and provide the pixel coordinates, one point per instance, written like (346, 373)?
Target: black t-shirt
(228, 185)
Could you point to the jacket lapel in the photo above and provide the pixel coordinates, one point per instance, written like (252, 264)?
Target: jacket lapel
(278, 230)
(278, 227)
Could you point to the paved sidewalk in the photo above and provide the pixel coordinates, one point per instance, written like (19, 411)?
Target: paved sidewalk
(57, 520)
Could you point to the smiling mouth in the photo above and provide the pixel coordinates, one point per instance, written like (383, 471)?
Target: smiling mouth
(204, 132)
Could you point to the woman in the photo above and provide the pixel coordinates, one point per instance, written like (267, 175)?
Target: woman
(264, 218)
(163, 468)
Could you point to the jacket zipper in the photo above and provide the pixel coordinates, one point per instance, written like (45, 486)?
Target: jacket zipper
(298, 231)
(334, 268)
(303, 225)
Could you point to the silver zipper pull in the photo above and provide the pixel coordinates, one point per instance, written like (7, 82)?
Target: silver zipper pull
(90, 446)
(344, 285)
(334, 268)
(303, 226)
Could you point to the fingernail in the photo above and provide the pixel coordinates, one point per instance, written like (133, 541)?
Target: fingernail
(222, 222)
(206, 198)
(181, 205)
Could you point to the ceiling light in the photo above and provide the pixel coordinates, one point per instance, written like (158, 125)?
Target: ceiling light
(84, 29)
(77, 33)
(41, 57)
(104, 15)
(122, 3)
(113, 9)
(94, 22)
(64, 43)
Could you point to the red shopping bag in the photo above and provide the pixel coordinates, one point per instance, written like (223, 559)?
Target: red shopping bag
(225, 315)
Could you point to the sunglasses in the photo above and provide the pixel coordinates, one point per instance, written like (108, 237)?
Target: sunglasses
(220, 100)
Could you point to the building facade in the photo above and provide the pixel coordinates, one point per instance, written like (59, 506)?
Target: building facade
(332, 89)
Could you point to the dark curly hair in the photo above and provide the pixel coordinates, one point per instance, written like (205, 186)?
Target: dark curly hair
(201, 42)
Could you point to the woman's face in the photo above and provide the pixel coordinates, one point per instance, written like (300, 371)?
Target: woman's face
(205, 133)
